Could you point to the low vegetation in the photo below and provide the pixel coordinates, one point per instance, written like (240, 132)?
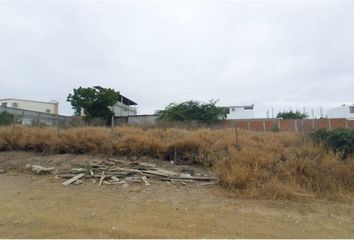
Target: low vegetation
(267, 165)
(337, 140)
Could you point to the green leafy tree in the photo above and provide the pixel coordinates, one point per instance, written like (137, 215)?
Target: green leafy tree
(207, 113)
(6, 118)
(292, 115)
(95, 102)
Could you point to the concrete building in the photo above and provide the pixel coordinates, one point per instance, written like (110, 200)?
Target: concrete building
(344, 111)
(124, 107)
(240, 112)
(51, 107)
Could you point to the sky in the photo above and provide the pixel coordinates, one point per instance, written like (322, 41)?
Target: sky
(273, 54)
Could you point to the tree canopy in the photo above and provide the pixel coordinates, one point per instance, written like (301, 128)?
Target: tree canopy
(292, 115)
(95, 102)
(207, 113)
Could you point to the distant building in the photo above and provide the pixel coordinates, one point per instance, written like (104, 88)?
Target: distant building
(344, 111)
(51, 107)
(240, 112)
(124, 107)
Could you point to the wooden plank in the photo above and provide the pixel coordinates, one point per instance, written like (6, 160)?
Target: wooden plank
(102, 177)
(145, 180)
(73, 179)
(161, 172)
(194, 178)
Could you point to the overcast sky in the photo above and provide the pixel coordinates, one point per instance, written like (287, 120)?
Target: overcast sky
(271, 54)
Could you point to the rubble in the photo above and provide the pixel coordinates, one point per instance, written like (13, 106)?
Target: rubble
(120, 172)
(37, 169)
(2, 171)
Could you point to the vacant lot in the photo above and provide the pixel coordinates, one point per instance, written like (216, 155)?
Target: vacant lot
(41, 207)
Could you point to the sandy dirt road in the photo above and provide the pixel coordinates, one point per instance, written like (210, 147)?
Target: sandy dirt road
(41, 207)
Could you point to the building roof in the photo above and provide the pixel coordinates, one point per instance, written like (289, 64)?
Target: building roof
(126, 101)
(7, 99)
(122, 99)
(245, 106)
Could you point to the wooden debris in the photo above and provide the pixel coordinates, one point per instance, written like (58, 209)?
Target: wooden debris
(2, 171)
(145, 180)
(208, 184)
(78, 182)
(41, 170)
(161, 172)
(114, 178)
(77, 170)
(91, 172)
(102, 177)
(73, 179)
(194, 178)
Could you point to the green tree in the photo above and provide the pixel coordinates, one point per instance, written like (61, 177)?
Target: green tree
(95, 102)
(6, 118)
(292, 115)
(207, 113)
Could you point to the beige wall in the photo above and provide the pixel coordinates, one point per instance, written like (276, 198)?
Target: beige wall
(45, 107)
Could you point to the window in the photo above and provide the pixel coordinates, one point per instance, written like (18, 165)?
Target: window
(47, 110)
(233, 109)
(4, 104)
(14, 104)
(351, 109)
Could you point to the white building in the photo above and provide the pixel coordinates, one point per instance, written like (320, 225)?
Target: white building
(344, 111)
(124, 107)
(30, 105)
(240, 112)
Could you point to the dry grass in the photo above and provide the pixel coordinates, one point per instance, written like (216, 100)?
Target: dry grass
(268, 165)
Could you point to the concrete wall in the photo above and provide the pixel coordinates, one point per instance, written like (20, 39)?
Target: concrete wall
(298, 125)
(44, 107)
(137, 120)
(121, 109)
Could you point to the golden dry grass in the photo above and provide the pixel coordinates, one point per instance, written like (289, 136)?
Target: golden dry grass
(268, 165)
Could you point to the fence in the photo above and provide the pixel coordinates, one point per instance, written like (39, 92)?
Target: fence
(33, 118)
(294, 125)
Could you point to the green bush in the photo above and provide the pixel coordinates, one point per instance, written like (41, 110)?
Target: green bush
(6, 118)
(338, 140)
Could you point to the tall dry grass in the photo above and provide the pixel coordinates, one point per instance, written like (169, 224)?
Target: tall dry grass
(268, 165)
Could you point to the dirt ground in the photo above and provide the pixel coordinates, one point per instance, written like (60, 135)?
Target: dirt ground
(41, 207)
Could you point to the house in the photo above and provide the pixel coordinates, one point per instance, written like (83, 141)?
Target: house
(344, 111)
(51, 107)
(240, 112)
(124, 107)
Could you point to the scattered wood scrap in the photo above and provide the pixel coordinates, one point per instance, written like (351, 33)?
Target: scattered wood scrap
(120, 172)
(37, 169)
(145, 180)
(73, 179)
(102, 177)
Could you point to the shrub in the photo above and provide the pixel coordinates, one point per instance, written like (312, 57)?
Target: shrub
(6, 118)
(339, 140)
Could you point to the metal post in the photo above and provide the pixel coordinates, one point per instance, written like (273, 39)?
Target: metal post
(329, 124)
(346, 124)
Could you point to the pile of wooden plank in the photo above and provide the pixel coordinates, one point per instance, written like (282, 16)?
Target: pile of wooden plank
(116, 172)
